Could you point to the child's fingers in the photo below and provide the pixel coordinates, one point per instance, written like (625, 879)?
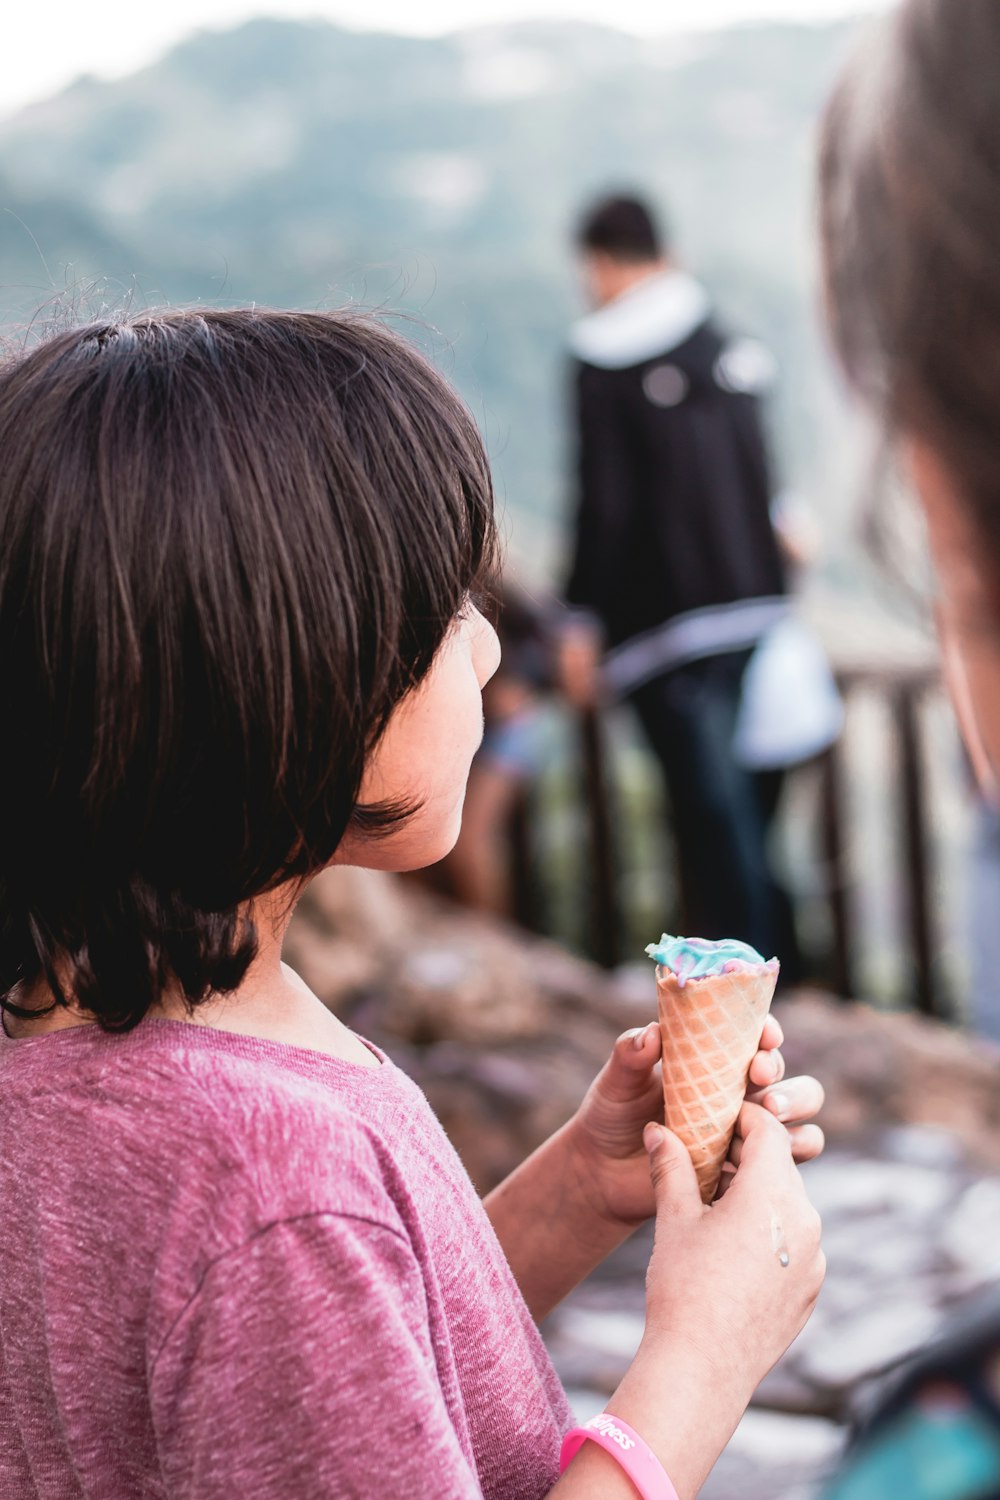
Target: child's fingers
(674, 1181)
(761, 1138)
(628, 1073)
(793, 1100)
(807, 1142)
(726, 1179)
(772, 1035)
(639, 1049)
(766, 1068)
(768, 1065)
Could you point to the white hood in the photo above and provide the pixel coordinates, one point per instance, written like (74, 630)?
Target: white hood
(651, 318)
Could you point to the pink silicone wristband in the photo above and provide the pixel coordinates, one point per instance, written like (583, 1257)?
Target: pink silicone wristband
(626, 1448)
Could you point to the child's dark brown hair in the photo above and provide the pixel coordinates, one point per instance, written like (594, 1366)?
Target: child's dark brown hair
(230, 543)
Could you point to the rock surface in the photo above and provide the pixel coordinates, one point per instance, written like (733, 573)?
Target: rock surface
(505, 1032)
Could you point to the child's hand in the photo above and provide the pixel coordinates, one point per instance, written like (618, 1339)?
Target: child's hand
(737, 1282)
(727, 1290)
(607, 1129)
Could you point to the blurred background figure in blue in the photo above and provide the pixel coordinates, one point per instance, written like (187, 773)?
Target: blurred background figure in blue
(935, 1434)
(478, 871)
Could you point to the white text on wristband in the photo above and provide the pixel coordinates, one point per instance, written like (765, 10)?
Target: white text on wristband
(628, 1450)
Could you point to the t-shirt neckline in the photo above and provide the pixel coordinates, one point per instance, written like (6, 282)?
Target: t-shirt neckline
(242, 1044)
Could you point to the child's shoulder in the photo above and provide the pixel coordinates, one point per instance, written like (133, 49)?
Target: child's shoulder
(243, 1130)
(190, 1146)
(289, 1122)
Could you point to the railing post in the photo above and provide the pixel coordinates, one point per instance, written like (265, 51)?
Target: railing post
(605, 926)
(913, 839)
(523, 887)
(832, 797)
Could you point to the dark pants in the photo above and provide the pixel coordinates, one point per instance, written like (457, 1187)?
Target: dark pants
(722, 814)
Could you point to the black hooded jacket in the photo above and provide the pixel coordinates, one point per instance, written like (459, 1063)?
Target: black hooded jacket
(674, 487)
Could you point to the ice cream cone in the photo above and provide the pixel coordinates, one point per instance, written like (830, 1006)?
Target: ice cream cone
(711, 1029)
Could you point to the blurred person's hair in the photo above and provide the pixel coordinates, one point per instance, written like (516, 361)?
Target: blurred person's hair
(622, 227)
(909, 188)
(230, 544)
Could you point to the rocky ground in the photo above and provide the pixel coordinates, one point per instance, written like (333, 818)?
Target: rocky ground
(504, 1034)
(910, 1231)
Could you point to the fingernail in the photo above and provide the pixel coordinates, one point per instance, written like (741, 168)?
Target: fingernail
(652, 1135)
(639, 1040)
(779, 1104)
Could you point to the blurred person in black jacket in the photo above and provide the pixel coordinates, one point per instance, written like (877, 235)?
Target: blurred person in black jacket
(675, 555)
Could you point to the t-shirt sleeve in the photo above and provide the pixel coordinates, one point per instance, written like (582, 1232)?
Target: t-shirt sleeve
(303, 1366)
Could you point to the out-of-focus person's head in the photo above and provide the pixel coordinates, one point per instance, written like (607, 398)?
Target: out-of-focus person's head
(909, 194)
(234, 547)
(619, 242)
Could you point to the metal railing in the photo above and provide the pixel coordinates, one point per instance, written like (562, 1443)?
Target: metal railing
(903, 690)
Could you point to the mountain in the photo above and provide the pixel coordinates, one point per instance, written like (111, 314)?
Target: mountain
(295, 162)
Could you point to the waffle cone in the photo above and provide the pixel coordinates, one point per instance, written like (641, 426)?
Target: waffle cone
(711, 1030)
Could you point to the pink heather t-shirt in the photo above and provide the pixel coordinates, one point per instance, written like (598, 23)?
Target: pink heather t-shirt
(232, 1268)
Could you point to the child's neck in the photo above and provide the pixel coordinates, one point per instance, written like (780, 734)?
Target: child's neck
(272, 1003)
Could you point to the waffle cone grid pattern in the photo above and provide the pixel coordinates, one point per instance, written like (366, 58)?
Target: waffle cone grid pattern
(710, 1029)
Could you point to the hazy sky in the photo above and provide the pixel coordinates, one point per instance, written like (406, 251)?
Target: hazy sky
(47, 45)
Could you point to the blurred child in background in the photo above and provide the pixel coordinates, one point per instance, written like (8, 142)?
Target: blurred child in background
(909, 186)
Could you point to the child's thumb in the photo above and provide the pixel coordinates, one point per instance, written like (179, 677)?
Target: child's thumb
(674, 1181)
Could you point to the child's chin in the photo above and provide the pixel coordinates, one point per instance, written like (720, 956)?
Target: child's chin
(412, 848)
(431, 853)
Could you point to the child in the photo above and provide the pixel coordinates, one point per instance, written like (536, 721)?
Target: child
(909, 186)
(238, 643)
